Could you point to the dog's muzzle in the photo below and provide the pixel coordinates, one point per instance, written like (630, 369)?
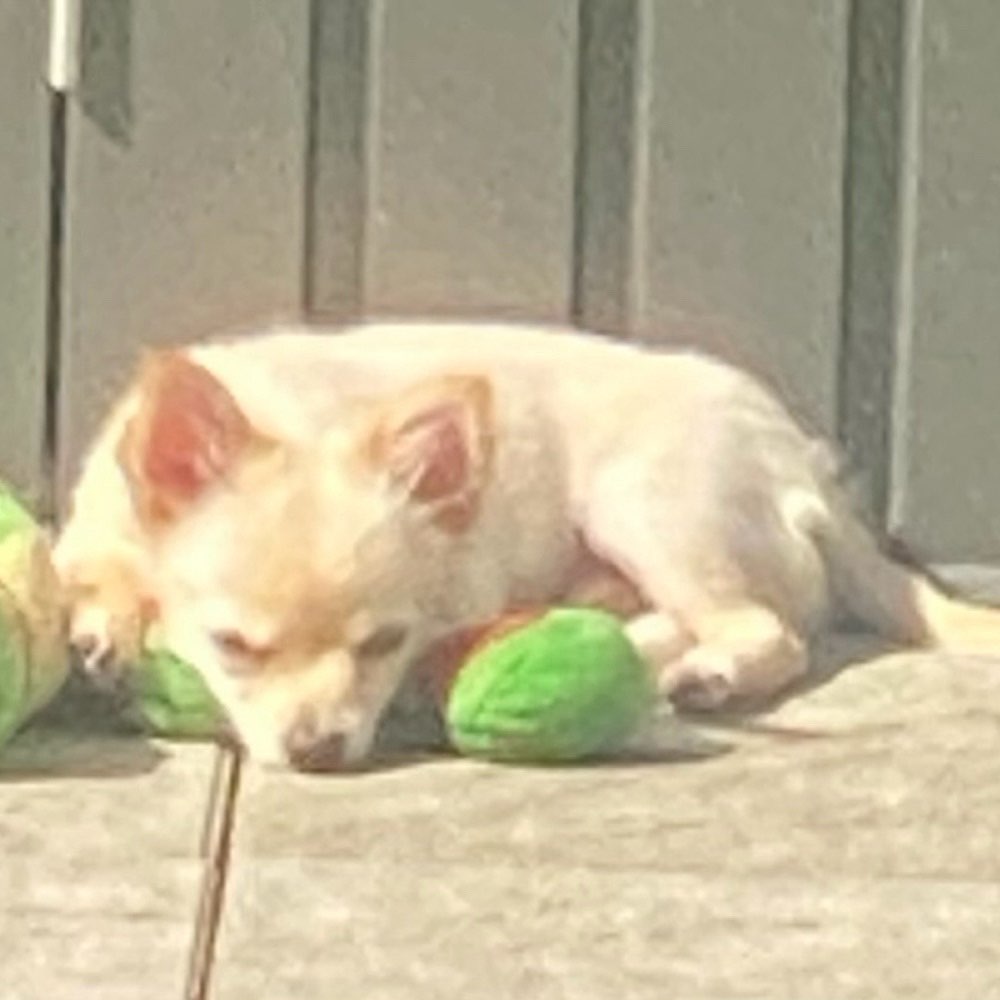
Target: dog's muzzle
(309, 750)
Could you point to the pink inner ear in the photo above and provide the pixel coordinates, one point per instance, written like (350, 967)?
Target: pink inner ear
(435, 441)
(430, 455)
(187, 435)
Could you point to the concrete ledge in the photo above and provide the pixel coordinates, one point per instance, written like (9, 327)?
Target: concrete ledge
(843, 844)
(99, 864)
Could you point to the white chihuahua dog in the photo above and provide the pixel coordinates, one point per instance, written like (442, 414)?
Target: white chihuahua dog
(305, 512)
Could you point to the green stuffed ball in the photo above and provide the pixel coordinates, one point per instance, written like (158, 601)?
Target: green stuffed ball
(567, 686)
(171, 699)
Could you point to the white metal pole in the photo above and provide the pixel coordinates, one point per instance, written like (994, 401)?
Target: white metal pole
(64, 44)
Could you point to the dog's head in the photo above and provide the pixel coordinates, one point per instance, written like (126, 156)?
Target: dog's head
(295, 576)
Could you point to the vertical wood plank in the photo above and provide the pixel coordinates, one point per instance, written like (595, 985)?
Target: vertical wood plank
(336, 172)
(605, 164)
(740, 187)
(187, 159)
(23, 232)
(471, 157)
(946, 502)
(875, 257)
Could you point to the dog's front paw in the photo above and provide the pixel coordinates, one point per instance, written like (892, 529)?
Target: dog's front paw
(94, 653)
(106, 635)
(108, 611)
(93, 637)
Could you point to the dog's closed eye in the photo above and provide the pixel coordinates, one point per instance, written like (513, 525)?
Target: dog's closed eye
(242, 652)
(382, 641)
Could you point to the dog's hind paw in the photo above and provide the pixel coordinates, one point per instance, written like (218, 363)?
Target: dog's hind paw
(704, 679)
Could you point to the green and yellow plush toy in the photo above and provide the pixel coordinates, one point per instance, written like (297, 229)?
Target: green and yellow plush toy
(33, 652)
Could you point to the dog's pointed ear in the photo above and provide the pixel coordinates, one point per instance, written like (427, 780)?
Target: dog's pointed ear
(186, 435)
(434, 444)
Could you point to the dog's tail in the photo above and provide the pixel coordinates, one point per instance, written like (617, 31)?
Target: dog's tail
(899, 602)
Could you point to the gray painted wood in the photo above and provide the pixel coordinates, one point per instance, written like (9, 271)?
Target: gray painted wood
(604, 259)
(23, 240)
(740, 188)
(186, 200)
(336, 181)
(947, 423)
(471, 157)
(874, 257)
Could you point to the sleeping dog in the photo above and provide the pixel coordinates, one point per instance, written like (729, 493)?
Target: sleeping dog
(304, 512)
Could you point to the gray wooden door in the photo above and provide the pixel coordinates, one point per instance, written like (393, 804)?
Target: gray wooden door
(807, 187)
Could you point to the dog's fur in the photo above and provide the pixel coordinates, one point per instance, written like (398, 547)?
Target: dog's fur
(305, 513)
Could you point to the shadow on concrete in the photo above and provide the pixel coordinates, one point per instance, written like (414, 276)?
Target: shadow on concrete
(830, 656)
(41, 753)
(80, 735)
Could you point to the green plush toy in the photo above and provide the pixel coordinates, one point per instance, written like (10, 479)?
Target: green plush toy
(563, 686)
(33, 653)
(169, 698)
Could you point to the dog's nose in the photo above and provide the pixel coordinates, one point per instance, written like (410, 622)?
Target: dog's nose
(309, 751)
